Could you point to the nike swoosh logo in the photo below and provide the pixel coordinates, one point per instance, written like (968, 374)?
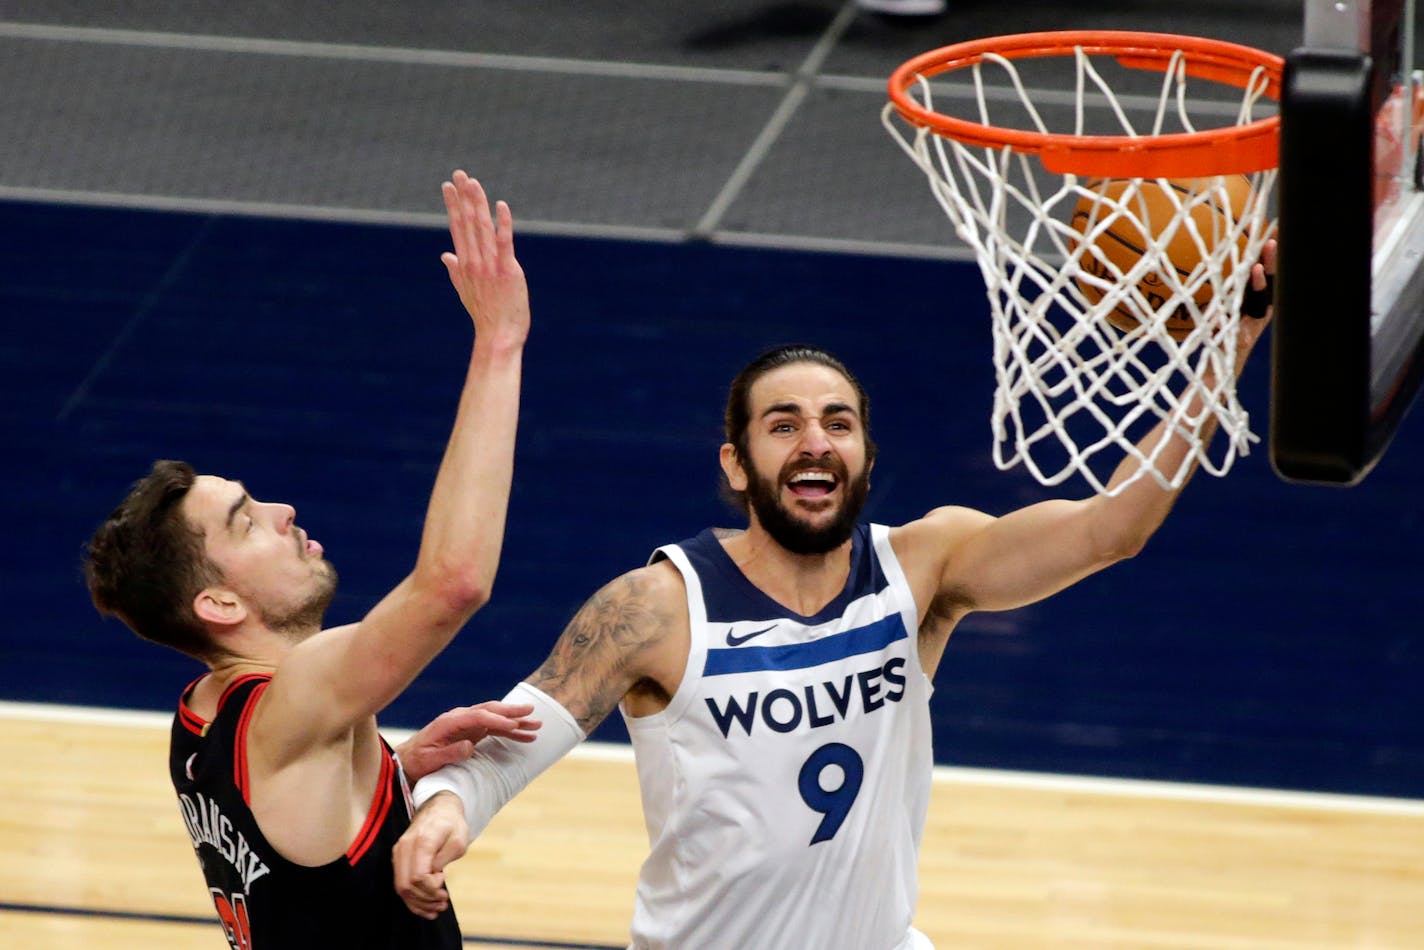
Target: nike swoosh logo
(736, 641)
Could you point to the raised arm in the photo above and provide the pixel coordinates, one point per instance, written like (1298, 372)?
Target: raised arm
(341, 676)
(627, 643)
(968, 560)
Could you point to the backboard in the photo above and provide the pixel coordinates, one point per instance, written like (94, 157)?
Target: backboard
(1347, 358)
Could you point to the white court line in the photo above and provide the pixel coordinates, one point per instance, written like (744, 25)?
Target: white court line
(943, 774)
(352, 52)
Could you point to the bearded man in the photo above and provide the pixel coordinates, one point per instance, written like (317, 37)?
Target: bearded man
(776, 681)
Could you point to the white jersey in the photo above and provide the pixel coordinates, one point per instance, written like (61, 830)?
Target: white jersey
(786, 783)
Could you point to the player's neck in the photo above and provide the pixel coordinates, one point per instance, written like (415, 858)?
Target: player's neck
(804, 583)
(223, 672)
(253, 648)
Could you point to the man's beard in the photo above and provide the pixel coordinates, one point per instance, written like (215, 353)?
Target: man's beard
(303, 619)
(764, 497)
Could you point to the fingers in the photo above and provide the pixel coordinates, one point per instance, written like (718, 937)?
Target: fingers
(504, 234)
(509, 710)
(482, 266)
(483, 715)
(476, 722)
(460, 209)
(420, 884)
(426, 895)
(424, 891)
(1259, 296)
(520, 730)
(446, 754)
(452, 735)
(459, 220)
(472, 228)
(495, 724)
(434, 839)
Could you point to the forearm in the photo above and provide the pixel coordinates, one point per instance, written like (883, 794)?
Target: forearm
(1136, 503)
(464, 524)
(1125, 517)
(499, 768)
(1167, 449)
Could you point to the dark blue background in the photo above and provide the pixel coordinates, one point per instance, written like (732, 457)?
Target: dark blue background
(1269, 635)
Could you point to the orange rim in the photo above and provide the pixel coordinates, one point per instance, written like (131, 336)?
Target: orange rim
(1231, 149)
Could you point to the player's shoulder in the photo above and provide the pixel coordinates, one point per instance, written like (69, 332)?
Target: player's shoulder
(944, 518)
(938, 533)
(652, 585)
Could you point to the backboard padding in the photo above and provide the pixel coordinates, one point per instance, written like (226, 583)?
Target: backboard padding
(1349, 331)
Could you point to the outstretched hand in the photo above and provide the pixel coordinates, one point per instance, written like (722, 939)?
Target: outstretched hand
(482, 266)
(451, 736)
(437, 835)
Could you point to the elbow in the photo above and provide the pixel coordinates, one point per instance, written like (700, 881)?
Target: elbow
(472, 597)
(1119, 536)
(1123, 546)
(468, 594)
(1128, 549)
(458, 592)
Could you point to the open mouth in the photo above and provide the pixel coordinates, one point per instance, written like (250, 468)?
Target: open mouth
(812, 483)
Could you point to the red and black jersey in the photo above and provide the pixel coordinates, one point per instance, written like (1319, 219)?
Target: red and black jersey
(264, 901)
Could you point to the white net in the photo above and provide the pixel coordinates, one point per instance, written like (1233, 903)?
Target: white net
(1116, 302)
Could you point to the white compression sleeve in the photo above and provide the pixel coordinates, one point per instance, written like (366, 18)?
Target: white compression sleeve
(500, 768)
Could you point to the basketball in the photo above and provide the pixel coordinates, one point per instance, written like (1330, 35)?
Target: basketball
(1123, 242)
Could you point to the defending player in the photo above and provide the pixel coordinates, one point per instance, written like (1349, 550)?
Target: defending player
(291, 797)
(775, 681)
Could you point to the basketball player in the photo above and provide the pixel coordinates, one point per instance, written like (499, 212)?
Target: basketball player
(291, 797)
(776, 681)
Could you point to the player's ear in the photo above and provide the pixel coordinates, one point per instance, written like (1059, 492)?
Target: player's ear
(219, 606)
(732, 467)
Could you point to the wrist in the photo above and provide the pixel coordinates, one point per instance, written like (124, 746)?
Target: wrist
(499, 346)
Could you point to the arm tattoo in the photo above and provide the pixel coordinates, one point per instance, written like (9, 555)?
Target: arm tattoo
(595, 661)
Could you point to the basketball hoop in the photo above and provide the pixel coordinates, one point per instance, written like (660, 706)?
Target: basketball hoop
(1094, 343)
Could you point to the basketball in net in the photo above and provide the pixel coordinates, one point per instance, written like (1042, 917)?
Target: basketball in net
(1117, 243)
(1115, 225)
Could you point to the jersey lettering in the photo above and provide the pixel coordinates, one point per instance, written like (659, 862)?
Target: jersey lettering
(784, 710)
(207, 824)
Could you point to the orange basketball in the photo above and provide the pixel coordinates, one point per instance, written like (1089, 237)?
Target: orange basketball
(1123, 241)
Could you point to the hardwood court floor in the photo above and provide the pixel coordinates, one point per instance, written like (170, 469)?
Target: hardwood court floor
(92, 853)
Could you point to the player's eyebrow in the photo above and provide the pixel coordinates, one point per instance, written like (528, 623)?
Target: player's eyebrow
(789, 407)
(236, 507)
